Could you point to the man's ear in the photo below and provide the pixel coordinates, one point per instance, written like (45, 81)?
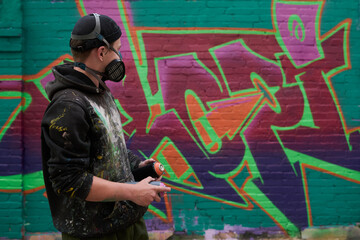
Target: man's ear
(101, 52)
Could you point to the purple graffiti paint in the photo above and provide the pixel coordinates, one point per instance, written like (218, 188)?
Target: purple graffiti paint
(298, 30)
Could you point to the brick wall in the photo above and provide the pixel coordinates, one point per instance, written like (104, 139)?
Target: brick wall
(252, 106)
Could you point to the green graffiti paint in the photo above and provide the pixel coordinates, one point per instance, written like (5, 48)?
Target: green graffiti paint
(11, 215)
(333, 199)
(299, 24)
(14, 102)
(201, 13)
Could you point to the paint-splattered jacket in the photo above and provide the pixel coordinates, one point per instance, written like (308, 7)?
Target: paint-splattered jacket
(82, 137)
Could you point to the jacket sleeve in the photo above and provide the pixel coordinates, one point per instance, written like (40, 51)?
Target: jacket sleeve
(134, 160)
(65, 131)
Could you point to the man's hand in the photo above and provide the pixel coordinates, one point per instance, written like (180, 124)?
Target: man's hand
(146, 162)
(144, 193)
(149, 161)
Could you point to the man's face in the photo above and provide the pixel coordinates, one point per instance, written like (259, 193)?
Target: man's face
(110, 54)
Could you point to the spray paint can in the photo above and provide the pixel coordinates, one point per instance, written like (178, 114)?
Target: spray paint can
(155, 183)
(154, 170)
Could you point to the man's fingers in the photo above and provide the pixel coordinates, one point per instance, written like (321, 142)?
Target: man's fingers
(149, 160)
(157, 198)
(158, 179)
(148, 179)
(162, 189)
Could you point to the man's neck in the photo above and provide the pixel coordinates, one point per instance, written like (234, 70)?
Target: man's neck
(89, 75)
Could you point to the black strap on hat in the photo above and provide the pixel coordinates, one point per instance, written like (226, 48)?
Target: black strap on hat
(94, 34)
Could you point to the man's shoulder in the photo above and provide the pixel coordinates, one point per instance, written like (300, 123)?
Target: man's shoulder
(69, 96)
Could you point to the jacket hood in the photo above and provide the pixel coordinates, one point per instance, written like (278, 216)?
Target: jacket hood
(67, 77)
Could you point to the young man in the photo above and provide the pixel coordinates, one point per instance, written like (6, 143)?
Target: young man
(87, 167)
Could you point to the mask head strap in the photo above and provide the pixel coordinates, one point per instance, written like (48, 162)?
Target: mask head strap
(89, 70)
(96, 34)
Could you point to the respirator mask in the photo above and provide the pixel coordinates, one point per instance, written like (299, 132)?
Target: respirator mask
(115, 70)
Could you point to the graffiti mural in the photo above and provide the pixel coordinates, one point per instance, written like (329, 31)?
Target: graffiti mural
(246, 122)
